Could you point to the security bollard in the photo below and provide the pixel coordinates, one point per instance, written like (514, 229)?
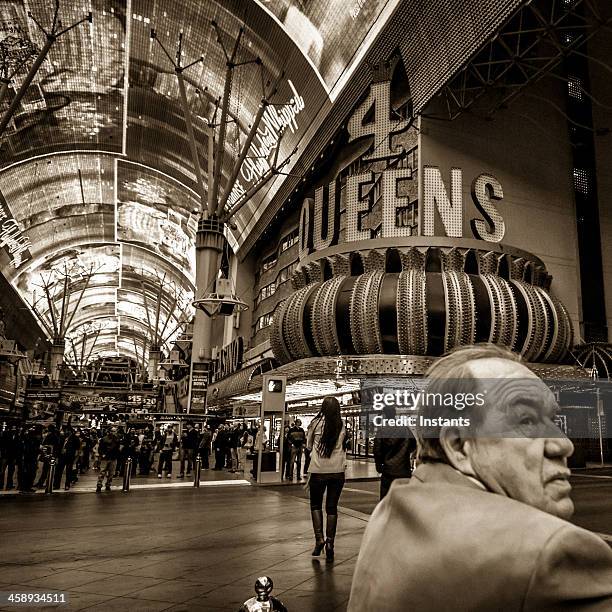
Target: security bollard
(197, 471)
(127, 474)
(50, 476)
(263, 601)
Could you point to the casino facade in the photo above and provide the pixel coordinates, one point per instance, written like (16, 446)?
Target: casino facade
(429, 179)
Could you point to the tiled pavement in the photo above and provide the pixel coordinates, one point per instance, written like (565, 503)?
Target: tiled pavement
(177, 549)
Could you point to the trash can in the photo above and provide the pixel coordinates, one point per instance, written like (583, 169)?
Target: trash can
(268, 462)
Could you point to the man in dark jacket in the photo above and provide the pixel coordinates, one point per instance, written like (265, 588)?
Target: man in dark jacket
(233, 442)
(108, 450)
(127, 448)
(220, 446)
(296, 437)
(52, 445)
(392, 455)
(189, 444)
(205, 445)
(30, 449)
(145, 452)
(10, 448)
(70, 448)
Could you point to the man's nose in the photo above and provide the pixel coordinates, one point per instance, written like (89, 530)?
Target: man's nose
(559, 446)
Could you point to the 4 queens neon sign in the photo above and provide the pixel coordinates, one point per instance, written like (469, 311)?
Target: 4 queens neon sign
(441, 209)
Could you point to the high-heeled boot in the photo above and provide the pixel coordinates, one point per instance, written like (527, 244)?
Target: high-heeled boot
(317, 525)
(330, 533)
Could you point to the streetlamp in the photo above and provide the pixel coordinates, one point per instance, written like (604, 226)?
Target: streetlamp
(598, 407)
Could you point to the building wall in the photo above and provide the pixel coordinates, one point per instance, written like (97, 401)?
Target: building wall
(264, 277)
(601, 86)
(526, 148)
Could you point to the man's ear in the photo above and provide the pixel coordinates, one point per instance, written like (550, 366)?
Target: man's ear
(458, 448)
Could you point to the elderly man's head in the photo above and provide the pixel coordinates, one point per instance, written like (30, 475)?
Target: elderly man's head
(512, 444)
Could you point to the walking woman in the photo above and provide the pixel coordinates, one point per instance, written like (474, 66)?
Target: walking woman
(327, 441)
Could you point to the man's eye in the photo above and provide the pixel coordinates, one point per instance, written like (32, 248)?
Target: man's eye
(527, 420)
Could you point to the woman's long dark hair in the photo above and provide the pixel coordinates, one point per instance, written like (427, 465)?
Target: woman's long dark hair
(332, 426)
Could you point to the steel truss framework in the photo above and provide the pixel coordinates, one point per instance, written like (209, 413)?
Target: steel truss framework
(213, 202)
(529, 46)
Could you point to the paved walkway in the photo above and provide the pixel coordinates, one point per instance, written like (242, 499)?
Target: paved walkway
(179, 549)
(201, 549)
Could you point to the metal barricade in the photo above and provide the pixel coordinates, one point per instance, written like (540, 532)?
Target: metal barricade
(197, 471)
(263, 601)
(127, 474)
(50, 475)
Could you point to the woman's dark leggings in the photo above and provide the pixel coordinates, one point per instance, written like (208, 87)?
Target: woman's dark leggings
(333, 483)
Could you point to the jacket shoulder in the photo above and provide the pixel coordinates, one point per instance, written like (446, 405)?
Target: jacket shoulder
(478, 547)
(573, 571)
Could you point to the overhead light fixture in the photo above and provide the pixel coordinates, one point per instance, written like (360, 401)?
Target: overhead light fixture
(222, 302)
(311, 389)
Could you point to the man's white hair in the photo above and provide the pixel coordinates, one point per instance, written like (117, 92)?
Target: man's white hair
(452, 374)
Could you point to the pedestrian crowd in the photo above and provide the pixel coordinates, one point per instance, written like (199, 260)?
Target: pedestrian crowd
(27, 452)
(232, 444)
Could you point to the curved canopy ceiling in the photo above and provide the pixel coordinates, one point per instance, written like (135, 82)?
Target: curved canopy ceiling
(95, 164)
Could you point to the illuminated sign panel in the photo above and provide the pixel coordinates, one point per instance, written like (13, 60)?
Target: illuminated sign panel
(369, 204)
(275, 120)
(12, 237)
(200, 375)
(273, 393)
(228, 360)
(76, 98)
(157, 214)
(330, 32)
(486, 190)
(111, 400)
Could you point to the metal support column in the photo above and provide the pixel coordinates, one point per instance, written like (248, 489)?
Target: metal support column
(599, 406)
(209, 246)
(154, 359)
(57, 358)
